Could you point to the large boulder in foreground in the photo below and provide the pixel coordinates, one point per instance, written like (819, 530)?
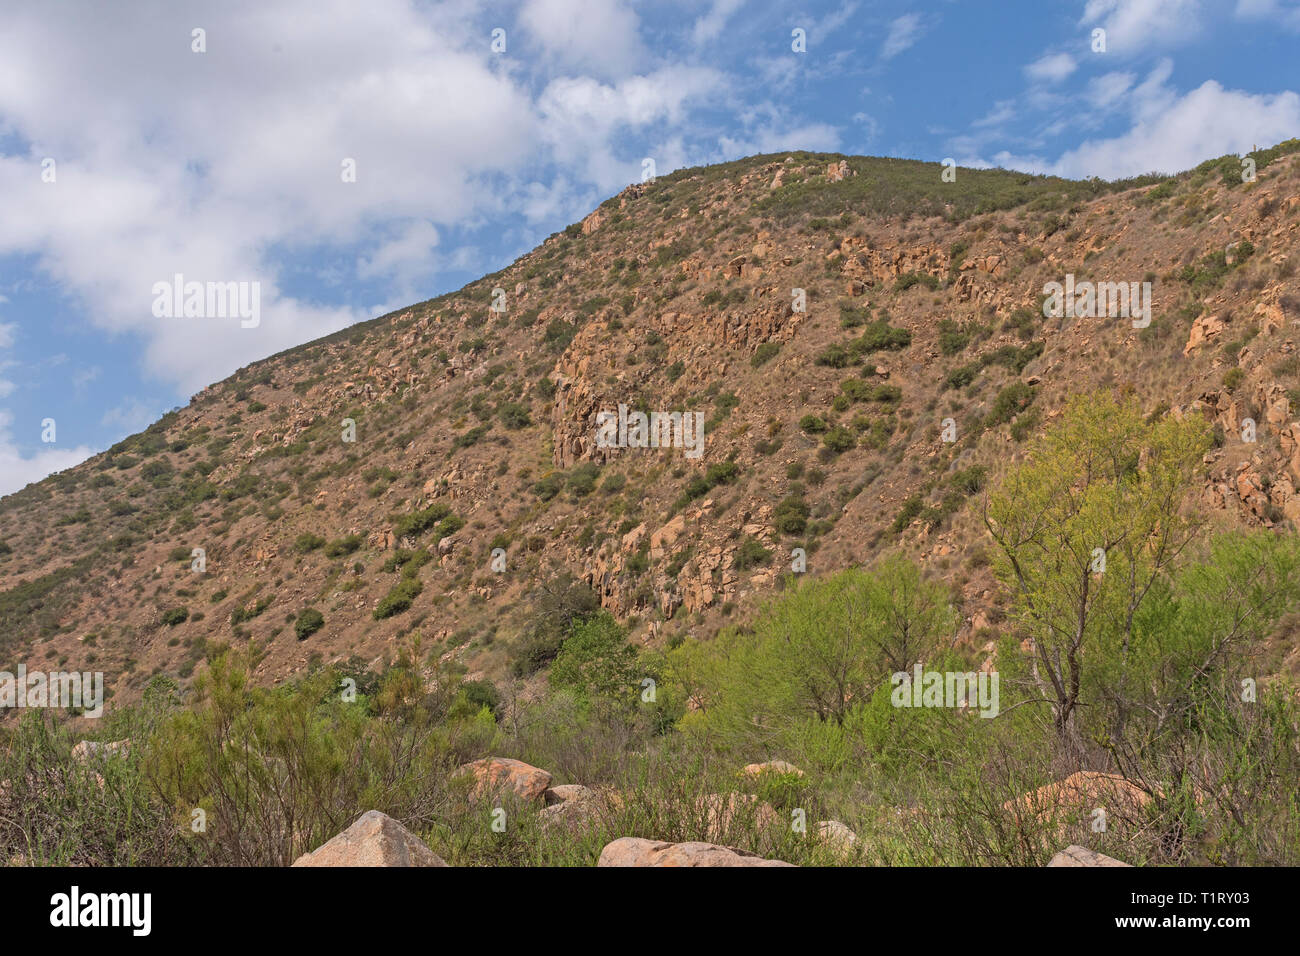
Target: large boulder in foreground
(376, 839)
(631, 851)
(496, 775)
(1082, 856)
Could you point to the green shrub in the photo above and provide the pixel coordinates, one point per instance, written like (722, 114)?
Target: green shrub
(400, 598)
(751, 554)
(764, 354)
(309, 622)
(176, 615)
(514, 415)
(418, 522)
(1011, 401)
(307, 542)
(342, 546)
(791, 516)
(839, 439)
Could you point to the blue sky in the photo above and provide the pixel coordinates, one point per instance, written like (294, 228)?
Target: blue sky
(226, 165)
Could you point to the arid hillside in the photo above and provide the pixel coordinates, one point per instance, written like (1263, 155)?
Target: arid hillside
(866, 344)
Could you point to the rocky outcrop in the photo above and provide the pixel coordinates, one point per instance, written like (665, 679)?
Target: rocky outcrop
(631, 851)
(376, 839)
(1082, 856)
(1204, 329)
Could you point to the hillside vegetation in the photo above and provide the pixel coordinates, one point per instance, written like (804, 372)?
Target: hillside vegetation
(415, 554)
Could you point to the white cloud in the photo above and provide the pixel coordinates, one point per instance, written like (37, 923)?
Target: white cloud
(710, 26)
(18, 471)
(1171, 133)
(581, 117)
(1003, 111)
(7, 334)
(409, 250)
(130, 416)
(234, 162)
(818, 137)
(1108, 89)
(903, 32)
(601, 36)
(1284, 14)
(1051, 68)
(1134, 25)
(238, 152)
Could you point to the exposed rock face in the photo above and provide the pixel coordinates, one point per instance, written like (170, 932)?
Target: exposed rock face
(1203, 329)
(1082, 856)
(494, 776)
(580, 375)
(376, 839)
(631, 851)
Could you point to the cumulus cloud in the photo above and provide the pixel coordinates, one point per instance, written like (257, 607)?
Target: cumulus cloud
(582, 116)
(598, 36)
(1136, 25)
(408, 251)
(710, 26)
(1171, 132)
(235, 163)
(1108, 89)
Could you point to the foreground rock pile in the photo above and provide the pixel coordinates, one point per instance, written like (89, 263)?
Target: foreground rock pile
(376, 839)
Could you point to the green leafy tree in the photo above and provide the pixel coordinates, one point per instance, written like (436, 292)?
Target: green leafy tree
(598, 664)
(1090, 530)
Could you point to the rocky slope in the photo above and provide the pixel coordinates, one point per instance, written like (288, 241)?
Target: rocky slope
(836, 320)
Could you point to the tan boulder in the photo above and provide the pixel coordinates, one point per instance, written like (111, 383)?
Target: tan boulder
(721, 811)
(771, 766)
(1082, 856)
(496, 775)
(574, 804)
(376, 839)
(631, 851)
(1085, 790)
(94, 750)
(835, 834)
